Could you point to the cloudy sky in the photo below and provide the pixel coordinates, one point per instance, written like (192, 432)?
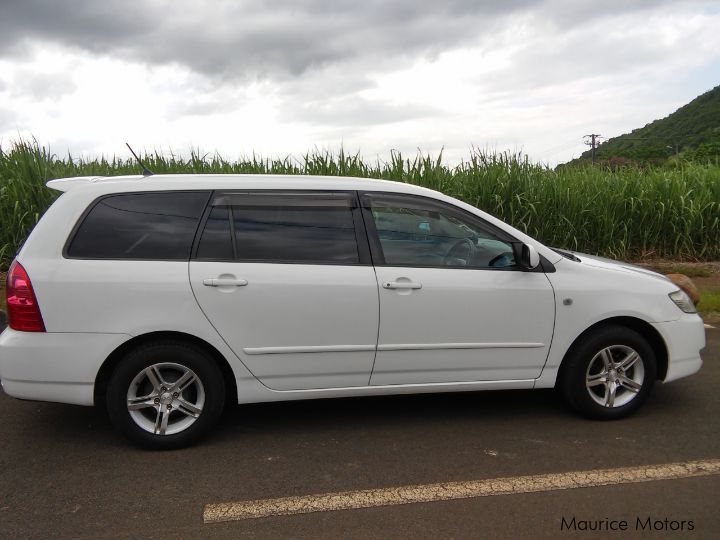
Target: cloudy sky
(283, 77)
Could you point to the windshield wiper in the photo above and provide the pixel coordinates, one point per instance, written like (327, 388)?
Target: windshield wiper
(566, 254)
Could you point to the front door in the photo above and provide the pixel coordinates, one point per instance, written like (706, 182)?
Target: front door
(284, 280)
(454, 306)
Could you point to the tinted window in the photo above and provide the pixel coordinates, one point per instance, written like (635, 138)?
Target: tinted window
(295, 234)
(140, 226)
(424, 234)
(282, 227)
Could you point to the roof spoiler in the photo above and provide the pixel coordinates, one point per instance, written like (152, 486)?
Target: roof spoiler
(66, 184)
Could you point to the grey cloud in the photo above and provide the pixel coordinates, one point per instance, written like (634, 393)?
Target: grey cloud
(281, 39)
(251, 38)
(88, 24)
(566, 13)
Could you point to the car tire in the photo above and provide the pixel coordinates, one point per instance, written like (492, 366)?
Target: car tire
(609, 373)
(165, 395)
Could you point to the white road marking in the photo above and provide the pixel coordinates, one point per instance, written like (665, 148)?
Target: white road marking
(370, 498)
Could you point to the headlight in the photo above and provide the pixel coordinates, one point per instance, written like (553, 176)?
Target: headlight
(683, 301)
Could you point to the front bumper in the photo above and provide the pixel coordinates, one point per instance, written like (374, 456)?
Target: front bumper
(685, 338)
(59, 367)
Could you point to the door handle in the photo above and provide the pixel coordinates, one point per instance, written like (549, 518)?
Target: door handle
(222, 282)
(401, 285)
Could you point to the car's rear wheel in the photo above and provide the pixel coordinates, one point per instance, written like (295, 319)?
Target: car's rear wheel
(165, 395)
(609, 374)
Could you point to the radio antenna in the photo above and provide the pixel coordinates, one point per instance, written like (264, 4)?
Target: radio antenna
(146, 171)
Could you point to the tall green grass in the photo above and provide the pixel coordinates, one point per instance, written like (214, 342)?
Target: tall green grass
(628, 212)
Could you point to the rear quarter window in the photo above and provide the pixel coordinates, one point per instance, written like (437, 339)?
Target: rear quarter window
(153, 226)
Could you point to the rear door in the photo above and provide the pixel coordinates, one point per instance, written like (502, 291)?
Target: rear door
(454, 306)
(286, 279)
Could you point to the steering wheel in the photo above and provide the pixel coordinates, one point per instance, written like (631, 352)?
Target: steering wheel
(498, 258)
(454, 254)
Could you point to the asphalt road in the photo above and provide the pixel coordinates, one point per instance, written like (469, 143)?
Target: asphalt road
(65, 473)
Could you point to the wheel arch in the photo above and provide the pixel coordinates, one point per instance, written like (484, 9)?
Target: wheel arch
(645, 329)
(108, 366)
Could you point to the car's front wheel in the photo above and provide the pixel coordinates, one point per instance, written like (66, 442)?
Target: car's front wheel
(165, 395)
(609, 374)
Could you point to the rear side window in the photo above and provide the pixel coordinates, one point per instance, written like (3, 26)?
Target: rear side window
(283, 228)
(157, 226)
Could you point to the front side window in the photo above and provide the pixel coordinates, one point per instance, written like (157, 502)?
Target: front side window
(288, 228)
(151, 226)
(414, 231)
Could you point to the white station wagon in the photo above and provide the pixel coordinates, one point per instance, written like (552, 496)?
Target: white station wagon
(165, 297)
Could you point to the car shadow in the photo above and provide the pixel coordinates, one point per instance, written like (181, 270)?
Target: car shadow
(389, 411)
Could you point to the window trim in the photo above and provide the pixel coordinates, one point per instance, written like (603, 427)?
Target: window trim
(224, 198)
(429, 203)
(201, 228)
(90, 207)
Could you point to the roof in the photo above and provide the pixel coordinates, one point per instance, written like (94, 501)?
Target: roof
(161, 182)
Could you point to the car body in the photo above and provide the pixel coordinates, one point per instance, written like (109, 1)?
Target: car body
(301, 287)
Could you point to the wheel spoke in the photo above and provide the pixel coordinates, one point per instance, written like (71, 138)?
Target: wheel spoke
(133, 404)
(161, 420)
(183, 382)
(158, 420)
(607, 359)
(153, 374)
(596, 380)
(630, 384)
(165, 418)
(188, 408)
(629, 361)
(610, 391)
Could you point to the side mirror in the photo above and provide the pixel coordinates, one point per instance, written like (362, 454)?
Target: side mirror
(529, 257)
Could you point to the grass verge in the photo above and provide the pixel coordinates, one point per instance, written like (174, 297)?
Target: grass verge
(709, 305)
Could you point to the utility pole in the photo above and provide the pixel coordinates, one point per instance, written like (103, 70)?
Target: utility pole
(592, 143)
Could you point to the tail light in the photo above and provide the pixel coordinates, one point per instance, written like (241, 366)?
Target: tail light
(23, 310)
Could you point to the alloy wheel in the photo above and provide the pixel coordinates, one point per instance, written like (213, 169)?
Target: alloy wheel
(615, 376)
(165, 398)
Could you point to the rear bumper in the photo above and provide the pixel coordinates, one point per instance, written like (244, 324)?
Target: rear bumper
(685, 338)
(73, 393)
(59, 367)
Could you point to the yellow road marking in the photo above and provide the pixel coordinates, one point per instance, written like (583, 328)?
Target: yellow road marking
(348, 500)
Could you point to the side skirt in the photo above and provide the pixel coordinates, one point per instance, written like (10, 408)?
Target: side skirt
(249, 391)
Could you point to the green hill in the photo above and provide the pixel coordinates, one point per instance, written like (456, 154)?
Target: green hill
(693, 131)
